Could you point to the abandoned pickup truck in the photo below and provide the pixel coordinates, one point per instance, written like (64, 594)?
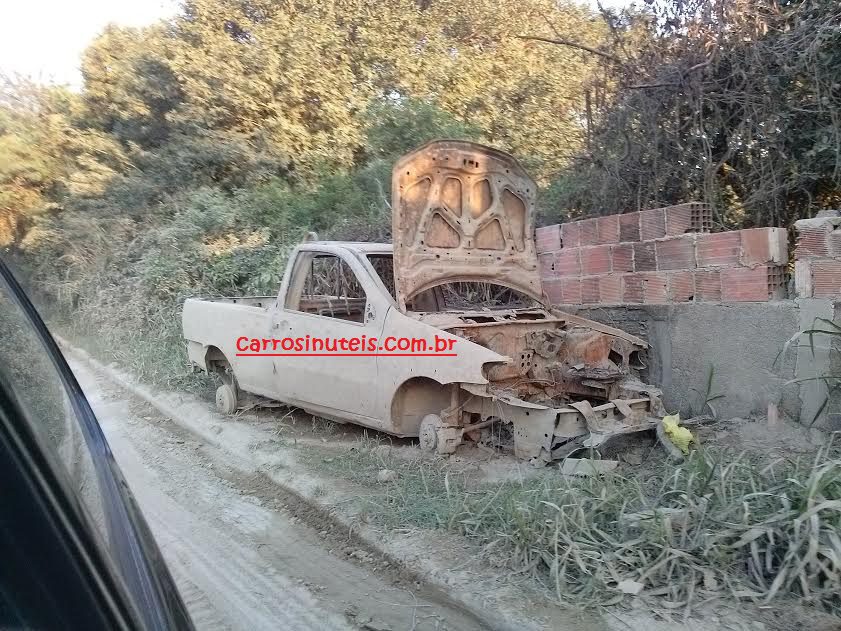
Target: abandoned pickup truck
(463, 270)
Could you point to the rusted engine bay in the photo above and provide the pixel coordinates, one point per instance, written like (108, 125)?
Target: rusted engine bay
(572, 383)
(554, 363)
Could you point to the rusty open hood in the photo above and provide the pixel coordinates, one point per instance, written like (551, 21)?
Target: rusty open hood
(462, 212)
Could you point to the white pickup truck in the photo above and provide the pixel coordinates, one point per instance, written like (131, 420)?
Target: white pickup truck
(343, 338)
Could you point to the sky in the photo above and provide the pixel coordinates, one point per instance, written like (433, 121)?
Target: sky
(44, 39)
(62, 29)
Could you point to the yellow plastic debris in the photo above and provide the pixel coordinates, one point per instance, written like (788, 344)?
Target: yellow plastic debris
(680, 436)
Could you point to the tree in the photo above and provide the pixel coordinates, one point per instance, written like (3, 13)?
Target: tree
(130, 87)
(302, 74)
(396, 126)
(733, 103)
(45, 156)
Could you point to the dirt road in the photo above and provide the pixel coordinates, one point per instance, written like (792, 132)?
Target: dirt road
(240, 557)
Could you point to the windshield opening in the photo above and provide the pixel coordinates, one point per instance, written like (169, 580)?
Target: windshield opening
(457, 296)
(464, 296)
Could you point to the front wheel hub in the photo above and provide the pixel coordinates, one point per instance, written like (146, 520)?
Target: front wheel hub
(226, 399)
(428, 432)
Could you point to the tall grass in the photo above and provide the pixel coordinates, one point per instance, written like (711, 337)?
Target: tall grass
(155, 354)
(717, 526)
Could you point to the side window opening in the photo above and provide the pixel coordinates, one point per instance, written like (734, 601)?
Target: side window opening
(330, 288)
(383, 264)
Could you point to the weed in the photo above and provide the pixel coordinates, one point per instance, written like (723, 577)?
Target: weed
(830, 332)
(323, 427)
(708, 396)
(162, 362)
(715, 526)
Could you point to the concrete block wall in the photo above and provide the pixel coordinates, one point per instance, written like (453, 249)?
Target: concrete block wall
(817, 256)
(659, 256)
(662, 275)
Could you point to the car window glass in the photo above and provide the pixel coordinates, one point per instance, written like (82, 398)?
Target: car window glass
(27, 368)
(330, 289)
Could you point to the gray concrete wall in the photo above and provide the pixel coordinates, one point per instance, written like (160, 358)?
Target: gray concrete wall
(819, 363)
(746, 345)
(813, 358)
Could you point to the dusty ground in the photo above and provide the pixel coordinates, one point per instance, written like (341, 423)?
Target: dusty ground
(240, 557)
(258, 452)
(278, 462)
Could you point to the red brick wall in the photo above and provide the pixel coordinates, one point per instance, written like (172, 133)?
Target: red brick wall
(817, 265)
(659, 256)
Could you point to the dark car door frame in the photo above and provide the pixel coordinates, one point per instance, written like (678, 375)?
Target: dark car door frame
(132, 587)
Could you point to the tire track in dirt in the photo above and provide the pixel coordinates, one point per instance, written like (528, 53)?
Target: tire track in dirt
(239, 560)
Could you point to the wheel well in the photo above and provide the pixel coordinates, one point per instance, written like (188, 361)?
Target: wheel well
(414, 399)
(216, 362)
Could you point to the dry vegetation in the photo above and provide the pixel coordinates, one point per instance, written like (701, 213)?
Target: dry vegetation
(722, 525)
(731, 102)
